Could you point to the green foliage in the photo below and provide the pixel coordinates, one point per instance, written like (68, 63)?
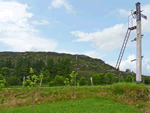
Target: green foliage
(51, 84)
(128, 78)
(88, 81)
(1, 77)
(72, 76)
(31, 70)
(64, 67)
(147, 80)
(5, 71)
(116, 79)
(46, 79)
(59, 80)
(66, 82)
(122, 80)
(108, 77)
(41, 76)
(82, 81)
(22, 67)
(9, 63)
(2, 82)
(28, 83)
(2, 63)
(38, 64)
(118, 90)
(96, 79)
(13, 80)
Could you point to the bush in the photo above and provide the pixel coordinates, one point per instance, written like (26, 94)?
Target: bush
(147, 80)
(3, 82)
(122, 80)
(108, 78)
(116, 79)
(46, 79)
(82, 81)
(89, 81)
(50, 84)
(13, 80)
(98, 79)
(59, 80)
(128, 78)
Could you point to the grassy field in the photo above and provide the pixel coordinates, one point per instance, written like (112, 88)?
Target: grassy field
(119, 97)
(79, 106)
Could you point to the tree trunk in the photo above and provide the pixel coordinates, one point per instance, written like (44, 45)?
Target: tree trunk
(74, 81)
(91, 81)
(132, 79)
(41, 83)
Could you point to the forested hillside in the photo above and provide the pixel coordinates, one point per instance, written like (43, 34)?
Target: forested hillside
(15, 65)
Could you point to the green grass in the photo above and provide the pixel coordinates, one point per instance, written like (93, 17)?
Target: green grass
(79, 106)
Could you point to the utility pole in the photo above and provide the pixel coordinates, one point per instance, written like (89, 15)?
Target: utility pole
(138, 40)
(138, 45)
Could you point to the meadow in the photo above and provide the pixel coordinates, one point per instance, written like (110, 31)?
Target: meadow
(116, 98)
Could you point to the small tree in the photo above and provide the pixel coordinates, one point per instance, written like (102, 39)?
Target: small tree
(72, 76)
(29, 83)
(2, 82)
(66, 82)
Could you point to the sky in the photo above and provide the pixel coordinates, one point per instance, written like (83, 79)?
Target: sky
(95, 28)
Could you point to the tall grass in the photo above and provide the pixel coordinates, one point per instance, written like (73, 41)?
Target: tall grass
(124, 93)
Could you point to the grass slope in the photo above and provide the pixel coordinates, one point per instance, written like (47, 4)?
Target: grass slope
(79, 106)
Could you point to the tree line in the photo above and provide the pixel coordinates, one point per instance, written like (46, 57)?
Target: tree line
(54, 72)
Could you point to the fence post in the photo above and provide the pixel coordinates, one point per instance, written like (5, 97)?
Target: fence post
(91, 81)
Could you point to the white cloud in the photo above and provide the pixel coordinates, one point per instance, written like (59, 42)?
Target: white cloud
(148, 68)
(107, 39)
(94, 54)
(112, 38)
(127, 64)
(17, 32)
(145, 23)
(43, 22)
(60, 3)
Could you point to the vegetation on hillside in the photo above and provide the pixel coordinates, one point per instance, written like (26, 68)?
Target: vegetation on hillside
(16, 65)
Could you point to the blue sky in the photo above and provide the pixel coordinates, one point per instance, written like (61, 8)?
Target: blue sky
(92, 27)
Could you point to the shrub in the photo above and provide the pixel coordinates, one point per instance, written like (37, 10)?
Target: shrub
(108, 78)
(82, 81)
(122, 80)
(46, 79)
(89, 81)
(128, 78)
(102, 78)
(96, 79)
(59, 80)
(3, 82)
(13, 80)
(116, 79)
(147, 80)
(50, 84)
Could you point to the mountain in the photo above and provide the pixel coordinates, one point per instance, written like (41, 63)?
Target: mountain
(84, 65)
